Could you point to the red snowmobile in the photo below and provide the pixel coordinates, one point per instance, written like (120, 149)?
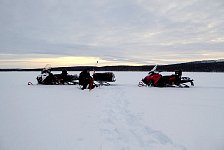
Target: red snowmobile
(155, 79)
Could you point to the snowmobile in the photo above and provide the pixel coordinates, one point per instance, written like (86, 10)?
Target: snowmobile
(155, 79)
(48, 78)
(104, 78)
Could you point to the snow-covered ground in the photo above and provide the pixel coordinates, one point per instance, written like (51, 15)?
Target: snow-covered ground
(118, 117)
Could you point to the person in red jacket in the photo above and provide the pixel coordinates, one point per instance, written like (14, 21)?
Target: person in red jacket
(86, 80)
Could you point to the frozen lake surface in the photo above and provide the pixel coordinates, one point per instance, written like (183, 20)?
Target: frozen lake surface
(122, 116)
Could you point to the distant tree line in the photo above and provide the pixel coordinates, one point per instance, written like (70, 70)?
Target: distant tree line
(201, 66)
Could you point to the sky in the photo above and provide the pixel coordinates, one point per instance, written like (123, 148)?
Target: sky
(111, 32)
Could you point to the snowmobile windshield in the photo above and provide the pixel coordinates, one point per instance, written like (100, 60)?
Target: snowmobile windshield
(46, 69)
(151, 73)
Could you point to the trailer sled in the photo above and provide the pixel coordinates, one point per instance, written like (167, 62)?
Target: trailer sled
(104, 78)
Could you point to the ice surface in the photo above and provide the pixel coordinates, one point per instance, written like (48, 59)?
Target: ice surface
(122, 116)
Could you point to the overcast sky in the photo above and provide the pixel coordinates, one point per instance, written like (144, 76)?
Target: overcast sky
(35, 32)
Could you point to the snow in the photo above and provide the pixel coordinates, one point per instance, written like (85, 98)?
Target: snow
(122, 116)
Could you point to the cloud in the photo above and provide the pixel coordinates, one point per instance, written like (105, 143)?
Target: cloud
(129, 30)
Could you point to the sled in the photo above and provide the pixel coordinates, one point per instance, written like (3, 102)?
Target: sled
(104, 78)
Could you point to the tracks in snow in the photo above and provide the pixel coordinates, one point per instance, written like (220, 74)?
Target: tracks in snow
(123, 129)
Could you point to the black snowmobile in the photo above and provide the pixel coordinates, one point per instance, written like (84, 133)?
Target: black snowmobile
(48, 78)
(154, 78)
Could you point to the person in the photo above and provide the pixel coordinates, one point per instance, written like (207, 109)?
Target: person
(64, 76)
(178, 74)
(85, 79)
(50, 79)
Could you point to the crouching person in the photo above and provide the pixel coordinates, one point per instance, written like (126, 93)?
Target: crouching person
(85, 80)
